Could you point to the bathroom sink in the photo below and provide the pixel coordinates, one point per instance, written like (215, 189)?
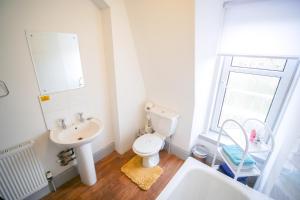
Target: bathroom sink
(77, 134)
(80, 136)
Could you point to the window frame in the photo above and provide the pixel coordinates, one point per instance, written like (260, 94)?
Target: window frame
(285, 80)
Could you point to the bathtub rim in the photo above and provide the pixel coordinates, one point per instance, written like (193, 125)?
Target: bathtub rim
(192, 164)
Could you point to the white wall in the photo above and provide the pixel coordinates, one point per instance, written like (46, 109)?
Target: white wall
(262, 28)
(127, 80)
(209, 20)
(21, 117)
(286, 137)
(164, 37)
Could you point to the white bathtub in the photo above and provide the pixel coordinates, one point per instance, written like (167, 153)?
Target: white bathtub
(196, 181)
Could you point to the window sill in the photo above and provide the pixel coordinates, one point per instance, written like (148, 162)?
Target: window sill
(212, 137)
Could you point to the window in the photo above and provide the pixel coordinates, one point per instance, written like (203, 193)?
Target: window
(252, 87)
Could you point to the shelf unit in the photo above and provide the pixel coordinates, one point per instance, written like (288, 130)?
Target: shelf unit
(261, 147)
(253, 172)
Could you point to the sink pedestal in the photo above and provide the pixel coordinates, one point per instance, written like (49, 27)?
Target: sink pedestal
(85, 164)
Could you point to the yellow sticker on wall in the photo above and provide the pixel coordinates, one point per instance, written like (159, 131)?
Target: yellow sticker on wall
(44, 98)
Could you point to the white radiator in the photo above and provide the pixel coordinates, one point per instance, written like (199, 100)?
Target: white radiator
(21, 173)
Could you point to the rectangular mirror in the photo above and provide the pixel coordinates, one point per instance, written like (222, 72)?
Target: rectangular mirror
(56, 60)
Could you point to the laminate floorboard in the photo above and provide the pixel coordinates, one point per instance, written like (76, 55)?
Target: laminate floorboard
(112, 184)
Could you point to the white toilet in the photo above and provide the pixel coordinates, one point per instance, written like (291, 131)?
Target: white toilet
(147, 146)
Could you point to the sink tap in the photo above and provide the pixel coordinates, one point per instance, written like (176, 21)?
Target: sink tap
(62, 123)
(81, 119)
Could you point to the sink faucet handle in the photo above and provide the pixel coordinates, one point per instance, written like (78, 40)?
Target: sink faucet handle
(81, 119)
(62, 123)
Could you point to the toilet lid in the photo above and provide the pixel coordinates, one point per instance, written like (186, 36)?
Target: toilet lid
(148, 143)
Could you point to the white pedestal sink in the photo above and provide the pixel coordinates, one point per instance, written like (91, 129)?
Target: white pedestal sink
(79, 136)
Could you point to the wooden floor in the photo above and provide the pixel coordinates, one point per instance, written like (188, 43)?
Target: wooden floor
(112, 184)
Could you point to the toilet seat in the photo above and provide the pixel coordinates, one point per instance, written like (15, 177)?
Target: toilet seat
(148, 144)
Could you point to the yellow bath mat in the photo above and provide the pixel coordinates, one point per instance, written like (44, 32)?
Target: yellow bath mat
(143, 177)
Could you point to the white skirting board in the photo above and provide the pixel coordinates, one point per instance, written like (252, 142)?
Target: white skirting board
(177, 151)
(182, 154)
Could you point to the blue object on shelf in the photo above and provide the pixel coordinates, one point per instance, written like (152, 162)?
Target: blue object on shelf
(235, 154)
(225, 170)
